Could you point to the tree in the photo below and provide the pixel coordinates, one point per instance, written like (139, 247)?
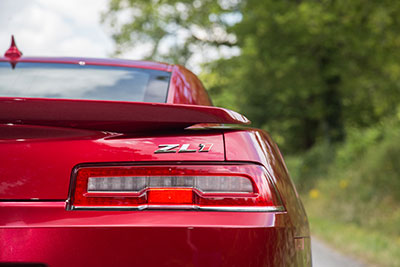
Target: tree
(184, 27)
(308, 70)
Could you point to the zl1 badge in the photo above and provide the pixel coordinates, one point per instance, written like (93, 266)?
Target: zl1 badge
(184, 148)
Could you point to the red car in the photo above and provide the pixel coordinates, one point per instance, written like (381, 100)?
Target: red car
(108, 162)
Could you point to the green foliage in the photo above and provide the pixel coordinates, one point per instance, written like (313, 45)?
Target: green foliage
(323, 77)
(185, 25)
(360, 183)
(219, 84)
(313, 68)
(352, 197)
(369, 246)
(358, 143)
(306, 169)
(308, 70)
(380, 171)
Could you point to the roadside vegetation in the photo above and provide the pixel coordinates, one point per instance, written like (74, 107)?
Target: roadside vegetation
(352, 197)
(323, 77)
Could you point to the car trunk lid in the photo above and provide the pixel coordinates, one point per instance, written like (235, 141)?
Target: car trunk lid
(43, 140)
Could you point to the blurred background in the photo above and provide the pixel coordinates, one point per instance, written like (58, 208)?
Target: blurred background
(322, 76)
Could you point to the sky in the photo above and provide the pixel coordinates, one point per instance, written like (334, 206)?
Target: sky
(72, 28)
(55, 28)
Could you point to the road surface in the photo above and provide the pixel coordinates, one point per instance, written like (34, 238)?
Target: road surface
(325, 256)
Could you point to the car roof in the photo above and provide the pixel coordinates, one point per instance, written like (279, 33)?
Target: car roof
(96, 61)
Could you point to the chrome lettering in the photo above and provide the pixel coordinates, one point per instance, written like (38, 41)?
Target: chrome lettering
(185, 149)
(167, 148)
(205, 147)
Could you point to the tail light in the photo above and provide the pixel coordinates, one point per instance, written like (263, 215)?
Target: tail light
(213, 187)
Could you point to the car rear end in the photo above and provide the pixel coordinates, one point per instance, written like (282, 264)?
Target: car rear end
(94, 199)
(112, 183)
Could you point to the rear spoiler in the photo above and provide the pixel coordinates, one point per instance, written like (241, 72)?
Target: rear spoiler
(111, 116)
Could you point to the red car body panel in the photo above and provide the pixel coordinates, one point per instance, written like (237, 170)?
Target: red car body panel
(186, 88)
(111, 116)
(44, 165)
(40, 149)
(257, 146)
(268, 154)
(145, 238)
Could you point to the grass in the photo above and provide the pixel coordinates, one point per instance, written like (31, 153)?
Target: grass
(351, 192)
(372, 247)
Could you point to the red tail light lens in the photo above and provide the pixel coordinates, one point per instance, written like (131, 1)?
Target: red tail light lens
(213, 187)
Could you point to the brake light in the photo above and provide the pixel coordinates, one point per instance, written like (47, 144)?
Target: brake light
(242, 187)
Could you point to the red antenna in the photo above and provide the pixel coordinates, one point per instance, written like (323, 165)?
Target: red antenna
(13, 53)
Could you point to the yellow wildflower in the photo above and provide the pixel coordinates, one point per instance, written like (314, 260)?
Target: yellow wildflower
(343, 183)
(314, 193)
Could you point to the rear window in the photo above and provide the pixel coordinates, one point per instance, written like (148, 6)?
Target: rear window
(74, 81)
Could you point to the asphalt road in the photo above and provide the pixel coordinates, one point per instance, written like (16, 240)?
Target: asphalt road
(325, 256)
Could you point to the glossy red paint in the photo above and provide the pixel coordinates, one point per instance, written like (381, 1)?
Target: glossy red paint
(13, 53)
(186, 88)
(43, 165)
(47, 233)
(42, 141)
(113, 116)
(257, 146)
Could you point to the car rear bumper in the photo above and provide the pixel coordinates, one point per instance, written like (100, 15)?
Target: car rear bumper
(45, 232)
